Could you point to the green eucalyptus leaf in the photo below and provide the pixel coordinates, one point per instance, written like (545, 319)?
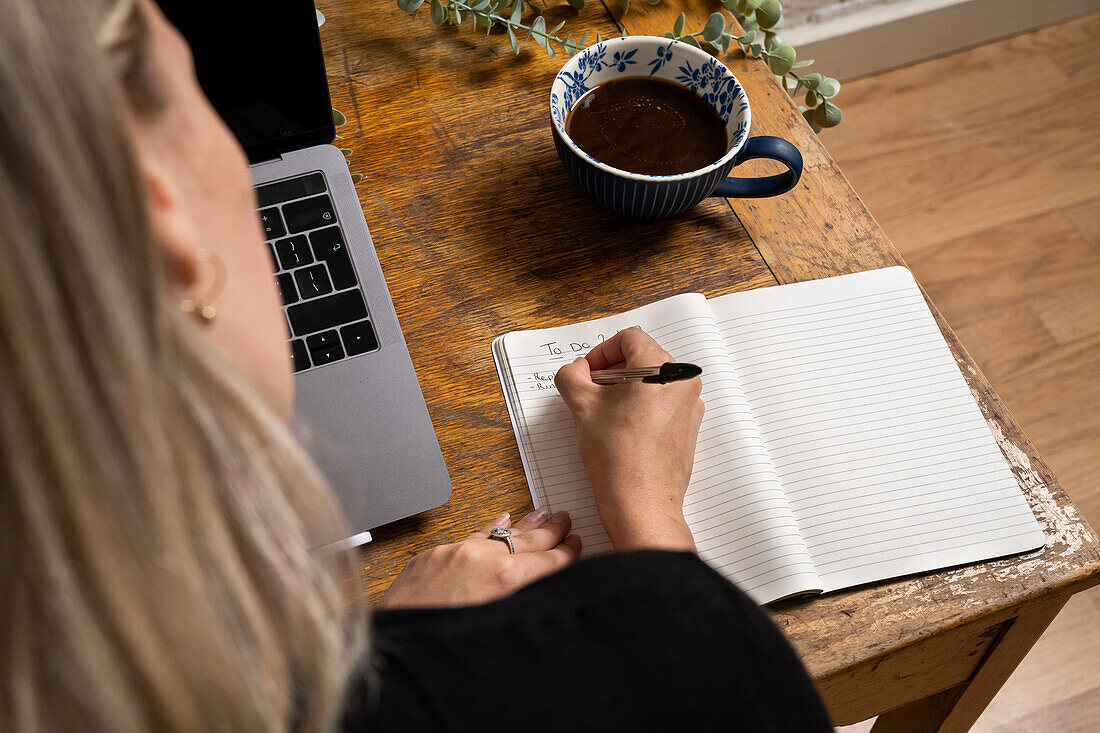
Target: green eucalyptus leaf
(320, 18)
(538, 29)
(811, 98)
(812, 80)
(755, 49)
(781, 59)
(555, 29)
(752, 5)
(409, 6)
(747, 38)
(439, 15)
(828, 87)
(576, 4)
(626, 6)
(459, 17)
(750, 24)
(714, 26)
(690, 40)
(338, 118)
(653, 2)
(345, 151)
(550, 50)
(678, 26)
(513, 41)
(772, 40)
(517, 11)
(769, 12)
(809, 115)
(724, 42)
(731, 4)
(481, 5)
(356, 177)
(668, 34)
(827, 115)
(803, 64)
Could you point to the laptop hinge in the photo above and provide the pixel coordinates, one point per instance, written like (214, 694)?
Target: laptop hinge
(269, 161)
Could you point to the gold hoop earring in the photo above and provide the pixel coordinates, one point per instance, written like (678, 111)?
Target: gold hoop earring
(202, 306)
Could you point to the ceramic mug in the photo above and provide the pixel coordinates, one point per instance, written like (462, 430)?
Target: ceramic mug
(644, 197)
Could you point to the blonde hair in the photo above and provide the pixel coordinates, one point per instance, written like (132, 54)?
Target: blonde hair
(155, 515)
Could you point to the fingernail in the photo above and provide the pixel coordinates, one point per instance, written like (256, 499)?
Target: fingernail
(501, 520)
(536, 517)
(559, 517)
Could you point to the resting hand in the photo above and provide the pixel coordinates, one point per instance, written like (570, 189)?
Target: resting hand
(637, 442)
(479, 569)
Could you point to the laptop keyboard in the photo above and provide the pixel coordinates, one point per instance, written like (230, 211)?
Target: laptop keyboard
(324, 305)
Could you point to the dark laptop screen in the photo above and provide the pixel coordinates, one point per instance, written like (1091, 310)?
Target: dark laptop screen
(260, 63)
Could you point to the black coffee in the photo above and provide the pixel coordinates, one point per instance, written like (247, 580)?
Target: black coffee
(648, 126)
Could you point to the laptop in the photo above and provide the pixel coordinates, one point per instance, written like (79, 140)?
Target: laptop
(358, 406)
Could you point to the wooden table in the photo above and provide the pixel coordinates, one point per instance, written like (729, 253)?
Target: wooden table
(480, 232)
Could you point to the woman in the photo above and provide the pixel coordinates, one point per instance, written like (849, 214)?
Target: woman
(157, 519)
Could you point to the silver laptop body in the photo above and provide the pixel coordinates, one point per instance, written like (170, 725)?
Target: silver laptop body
(362, 417)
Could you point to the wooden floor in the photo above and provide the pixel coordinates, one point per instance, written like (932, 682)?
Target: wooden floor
(984, 169)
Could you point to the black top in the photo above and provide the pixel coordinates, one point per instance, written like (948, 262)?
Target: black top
(636, 641)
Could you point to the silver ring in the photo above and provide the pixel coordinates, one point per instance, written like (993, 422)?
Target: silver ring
(499, 533)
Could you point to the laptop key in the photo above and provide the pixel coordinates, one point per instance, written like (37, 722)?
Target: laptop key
(295, 188)
(286, 288)
(327, 356)
(323, 340)
(272, 223)
(309, 213)
(359, 338)
(299, 358)
(313, 281)
(328, 246)
(328, 312)
(293, 252)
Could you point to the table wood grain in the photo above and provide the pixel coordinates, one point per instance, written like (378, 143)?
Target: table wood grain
(480, 231)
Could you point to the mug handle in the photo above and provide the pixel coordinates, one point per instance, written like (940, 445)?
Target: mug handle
(763, 146)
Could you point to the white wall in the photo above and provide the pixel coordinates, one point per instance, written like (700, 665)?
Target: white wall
(804, 12)
(854, 38)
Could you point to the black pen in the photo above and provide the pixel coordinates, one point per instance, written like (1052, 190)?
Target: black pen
(668, 372)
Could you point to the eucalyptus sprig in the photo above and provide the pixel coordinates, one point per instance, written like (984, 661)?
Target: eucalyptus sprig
(505, 13)
(764, 18)
(759, 19)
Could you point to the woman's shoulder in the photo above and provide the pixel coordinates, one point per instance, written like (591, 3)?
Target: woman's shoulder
(643, 639)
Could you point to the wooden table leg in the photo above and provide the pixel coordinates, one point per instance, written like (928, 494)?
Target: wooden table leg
(957, 709)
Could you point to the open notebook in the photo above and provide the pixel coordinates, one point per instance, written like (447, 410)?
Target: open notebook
(840, 446)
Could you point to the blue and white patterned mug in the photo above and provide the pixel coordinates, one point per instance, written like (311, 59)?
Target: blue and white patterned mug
(643, 197)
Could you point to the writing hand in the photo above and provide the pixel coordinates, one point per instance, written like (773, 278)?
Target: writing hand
(478, 570)
(637, 442)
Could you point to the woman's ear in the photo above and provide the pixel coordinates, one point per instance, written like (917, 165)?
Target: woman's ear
(173, 229)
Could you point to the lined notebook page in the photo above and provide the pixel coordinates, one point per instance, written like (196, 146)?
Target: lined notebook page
(734, 505)
(885, 458)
